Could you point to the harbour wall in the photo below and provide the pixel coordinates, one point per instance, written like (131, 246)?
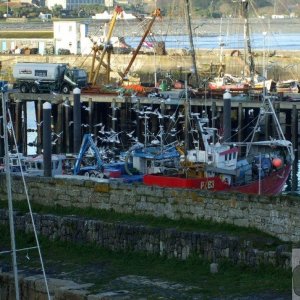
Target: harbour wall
(276, 215)
(166, 242)
(280, 65)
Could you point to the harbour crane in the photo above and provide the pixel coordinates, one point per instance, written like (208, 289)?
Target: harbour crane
(155, 14)
(107, 49)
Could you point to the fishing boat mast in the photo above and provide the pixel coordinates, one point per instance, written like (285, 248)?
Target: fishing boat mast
(9, 194)
(249, 55)
(189, 26)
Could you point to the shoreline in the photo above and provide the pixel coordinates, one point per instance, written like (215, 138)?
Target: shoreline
(173, 26)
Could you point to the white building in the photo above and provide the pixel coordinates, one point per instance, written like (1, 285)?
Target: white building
(71, 4)
(72, 36)
(109, 3)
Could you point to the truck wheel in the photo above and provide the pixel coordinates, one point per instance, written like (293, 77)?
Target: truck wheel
(65, 89)
(24, 88)
(34, 89)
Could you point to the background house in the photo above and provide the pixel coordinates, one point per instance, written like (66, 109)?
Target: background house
(70, 36)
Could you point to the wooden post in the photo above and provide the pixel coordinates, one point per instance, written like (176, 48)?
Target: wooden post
(240, 123)
(68, 125)
(91, 114)
(39, 119)
(77, 121)
(24, 144)
(227, 117)
(18, 123)
(59, 130)
(294, 127)
(47, 145)
(288, 124)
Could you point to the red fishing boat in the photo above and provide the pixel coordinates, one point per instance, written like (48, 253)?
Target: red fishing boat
(270, 185)
(252, 167)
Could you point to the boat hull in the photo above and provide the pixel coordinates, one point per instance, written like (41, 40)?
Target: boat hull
(272, 184)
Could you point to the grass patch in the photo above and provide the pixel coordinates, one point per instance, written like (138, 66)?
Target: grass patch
(260, 239)
(89, 263)
(26, 34)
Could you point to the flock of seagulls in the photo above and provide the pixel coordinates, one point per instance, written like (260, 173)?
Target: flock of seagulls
(108, 140)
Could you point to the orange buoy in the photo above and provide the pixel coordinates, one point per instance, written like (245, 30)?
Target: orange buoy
(277, 162)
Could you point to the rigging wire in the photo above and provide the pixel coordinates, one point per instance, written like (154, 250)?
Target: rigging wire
(29, 207)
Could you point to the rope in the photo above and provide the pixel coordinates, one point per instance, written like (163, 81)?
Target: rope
(29, 207)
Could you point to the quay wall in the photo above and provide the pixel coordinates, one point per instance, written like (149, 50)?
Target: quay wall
(280, 65)
(276, 215)
(166, 242)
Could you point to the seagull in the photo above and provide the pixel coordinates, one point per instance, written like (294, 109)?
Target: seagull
(135, 139)
(86, 108)
(71, 122)
(102, 129)
(85, 125)
(172, 117)
(130, 133)
(54, 142)
(159, 115)
(180, 115)
(113, 118)
(98, 125)
(58, 134)
(39, 124)
(155, 142)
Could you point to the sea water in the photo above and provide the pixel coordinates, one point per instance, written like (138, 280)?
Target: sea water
(271, 41)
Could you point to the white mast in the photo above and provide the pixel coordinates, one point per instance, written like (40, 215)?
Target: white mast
(9, 194)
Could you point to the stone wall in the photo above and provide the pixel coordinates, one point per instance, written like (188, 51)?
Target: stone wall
(169, 243)
(278, 216)
(167, 63)
(33, 287)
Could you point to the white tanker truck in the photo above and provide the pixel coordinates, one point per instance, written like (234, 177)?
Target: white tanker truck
(47, 77)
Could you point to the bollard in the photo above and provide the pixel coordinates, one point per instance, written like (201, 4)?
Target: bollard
(227, 116)
(77, 121)
(47, 146)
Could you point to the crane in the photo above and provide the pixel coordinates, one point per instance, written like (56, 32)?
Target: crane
(95, 69)
(156, 13)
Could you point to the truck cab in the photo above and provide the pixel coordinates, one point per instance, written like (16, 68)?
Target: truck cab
(76, 76)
